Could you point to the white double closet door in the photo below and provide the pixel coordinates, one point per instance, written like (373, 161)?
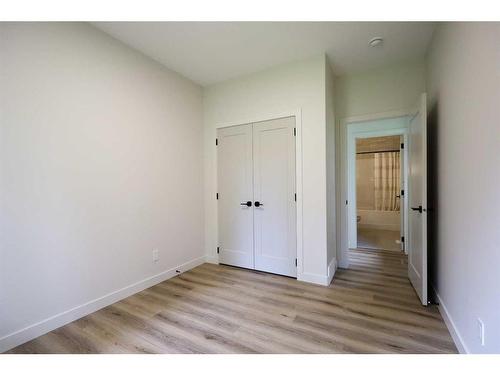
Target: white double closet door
(257, 196)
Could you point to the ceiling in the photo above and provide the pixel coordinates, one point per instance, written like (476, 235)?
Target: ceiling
(210, 52)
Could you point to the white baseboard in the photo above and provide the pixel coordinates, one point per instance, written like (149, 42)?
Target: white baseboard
(343, 264)
(211, 259)
(313, 278)
(457, 338)
(33, 331)
(332, 267)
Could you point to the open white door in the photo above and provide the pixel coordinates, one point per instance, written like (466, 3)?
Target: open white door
(235, 195)
(274, 194)
(417, 185)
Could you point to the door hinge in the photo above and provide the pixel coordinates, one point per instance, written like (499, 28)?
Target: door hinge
(294, 132)
(295, 262)
(295, 197)
(402, 145)
(403, 239)
(402, 192)
(216, 142)
(216, 195)
(218, 249)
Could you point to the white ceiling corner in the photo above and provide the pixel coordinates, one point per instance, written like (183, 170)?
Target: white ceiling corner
(210, 52)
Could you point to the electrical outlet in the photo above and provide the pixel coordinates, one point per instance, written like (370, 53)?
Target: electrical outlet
(156, 255)
(480, 331)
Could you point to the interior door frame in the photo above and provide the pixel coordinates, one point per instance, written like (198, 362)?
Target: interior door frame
(297, 114)
(350, 129)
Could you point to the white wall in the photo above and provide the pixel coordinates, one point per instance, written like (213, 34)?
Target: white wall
(330, 172)
(100, 162)
(261, 95)
(463, 82)
(382, 90)
(389, 89)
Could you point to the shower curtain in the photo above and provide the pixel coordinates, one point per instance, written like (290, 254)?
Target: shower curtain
(387, 181)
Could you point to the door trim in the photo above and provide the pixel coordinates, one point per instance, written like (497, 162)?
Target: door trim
(297, 113)
(345, 150)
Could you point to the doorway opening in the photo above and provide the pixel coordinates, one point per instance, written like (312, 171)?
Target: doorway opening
(376, 149)
(412, 128)
(379, 189)
(377, 166)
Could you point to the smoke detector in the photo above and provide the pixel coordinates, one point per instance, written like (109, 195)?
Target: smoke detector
(376, 42)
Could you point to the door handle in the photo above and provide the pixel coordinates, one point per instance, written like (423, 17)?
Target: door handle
(247, 203)
(258, 204)
(419, 209)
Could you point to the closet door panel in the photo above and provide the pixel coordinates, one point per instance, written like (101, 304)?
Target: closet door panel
(235, 189)
(274, 196)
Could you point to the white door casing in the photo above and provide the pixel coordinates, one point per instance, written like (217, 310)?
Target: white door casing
(417, 185)
(274, 190)
(235, 180)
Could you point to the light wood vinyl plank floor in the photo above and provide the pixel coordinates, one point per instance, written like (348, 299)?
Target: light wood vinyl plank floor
(369, 308)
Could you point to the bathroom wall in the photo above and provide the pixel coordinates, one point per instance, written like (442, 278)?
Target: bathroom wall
(365, 182)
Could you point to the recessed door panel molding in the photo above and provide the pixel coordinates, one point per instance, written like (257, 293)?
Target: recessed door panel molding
(417, 185)
(256, 196)
(274, 190)
(235, 180)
